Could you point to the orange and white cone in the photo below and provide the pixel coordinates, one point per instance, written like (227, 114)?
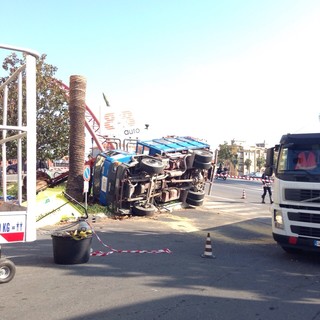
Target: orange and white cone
(243, 194)
(208, 249)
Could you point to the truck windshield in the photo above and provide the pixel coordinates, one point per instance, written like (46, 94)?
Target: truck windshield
(299, 162)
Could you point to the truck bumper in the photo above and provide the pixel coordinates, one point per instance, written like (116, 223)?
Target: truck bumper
(299, 243)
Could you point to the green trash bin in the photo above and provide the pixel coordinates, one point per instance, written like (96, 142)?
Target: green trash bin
(68, 250)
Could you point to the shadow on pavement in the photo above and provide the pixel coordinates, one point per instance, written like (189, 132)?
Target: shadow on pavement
(247, 279)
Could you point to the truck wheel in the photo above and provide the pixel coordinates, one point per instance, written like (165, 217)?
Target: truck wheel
(202, 165)
(203, 156)
(151, 165)
(194, 202)
(7, 270)
(196, 195)
(141, 211)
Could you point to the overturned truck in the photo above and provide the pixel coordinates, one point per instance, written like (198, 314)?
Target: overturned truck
(159, 172)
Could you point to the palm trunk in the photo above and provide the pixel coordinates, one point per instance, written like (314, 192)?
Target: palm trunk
(77, 108)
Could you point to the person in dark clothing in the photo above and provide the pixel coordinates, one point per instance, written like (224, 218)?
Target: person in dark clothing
(90, 162)
(266, 184)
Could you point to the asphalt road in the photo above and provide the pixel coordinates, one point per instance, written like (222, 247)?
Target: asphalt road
(249, 278)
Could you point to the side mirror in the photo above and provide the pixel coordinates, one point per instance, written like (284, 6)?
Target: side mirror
(269, 162)
(270, 157)
(269, 171)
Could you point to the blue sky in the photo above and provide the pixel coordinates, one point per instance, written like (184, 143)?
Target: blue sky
(217, 70)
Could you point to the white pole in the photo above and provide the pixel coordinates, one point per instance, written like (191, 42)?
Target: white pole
(31, 147)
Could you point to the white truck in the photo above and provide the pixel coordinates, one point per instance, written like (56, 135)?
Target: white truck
(295, 164)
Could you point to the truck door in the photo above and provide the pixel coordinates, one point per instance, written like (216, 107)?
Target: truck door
(106, 176)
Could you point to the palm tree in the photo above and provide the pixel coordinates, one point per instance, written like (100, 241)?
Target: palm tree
(77, 108)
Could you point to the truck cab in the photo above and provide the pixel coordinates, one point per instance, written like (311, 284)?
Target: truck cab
(295, 163)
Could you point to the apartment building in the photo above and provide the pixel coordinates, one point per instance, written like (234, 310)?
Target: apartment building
(256, 154)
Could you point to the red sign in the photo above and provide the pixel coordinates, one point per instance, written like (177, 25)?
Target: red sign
(12, 236)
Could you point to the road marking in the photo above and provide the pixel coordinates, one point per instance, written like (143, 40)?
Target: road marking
(236, 207)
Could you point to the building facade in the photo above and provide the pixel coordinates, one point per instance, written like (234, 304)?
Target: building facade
(246, 159)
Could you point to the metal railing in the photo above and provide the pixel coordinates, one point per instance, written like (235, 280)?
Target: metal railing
(24, 81)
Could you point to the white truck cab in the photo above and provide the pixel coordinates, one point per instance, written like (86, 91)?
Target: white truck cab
(295, 164)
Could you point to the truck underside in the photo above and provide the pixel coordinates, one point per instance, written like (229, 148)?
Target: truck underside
(141, 183)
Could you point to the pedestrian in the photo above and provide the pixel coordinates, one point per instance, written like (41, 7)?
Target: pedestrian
(266, 184)
(219, 169)
(90, 162)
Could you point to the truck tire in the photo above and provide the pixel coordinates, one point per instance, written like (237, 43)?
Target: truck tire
(202, 165)
(203, 156)
(195, 195)
(152, 165)
(141, 211)
(194, 202)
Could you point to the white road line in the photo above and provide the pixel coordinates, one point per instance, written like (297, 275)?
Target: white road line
(242, 209)
(232, 209)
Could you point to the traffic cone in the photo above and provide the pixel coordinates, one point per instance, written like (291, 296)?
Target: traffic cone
(208, 249)
(243, 194)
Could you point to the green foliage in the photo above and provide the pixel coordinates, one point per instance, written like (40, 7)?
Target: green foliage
(261, 162)
(224, 152)
(248, 163)
(94, 208)
(97, 208)
(228, 153)
(52, 110)
(12, 190)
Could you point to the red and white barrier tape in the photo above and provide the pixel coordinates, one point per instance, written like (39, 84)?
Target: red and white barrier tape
(243, 178)
(99, 253)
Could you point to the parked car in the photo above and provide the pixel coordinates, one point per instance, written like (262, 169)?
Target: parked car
(257, 175)
(252, 175)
